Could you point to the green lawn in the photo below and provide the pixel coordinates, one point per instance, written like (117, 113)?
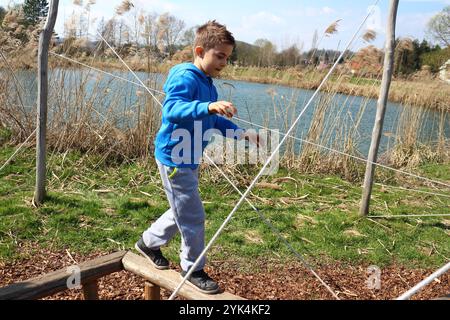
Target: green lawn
(90, 206)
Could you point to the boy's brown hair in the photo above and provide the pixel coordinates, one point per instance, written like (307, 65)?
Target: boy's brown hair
(211, 34)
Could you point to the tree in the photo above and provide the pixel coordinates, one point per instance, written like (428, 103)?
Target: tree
(424, 47)
(110, 30)
(13, 24)
(246, 54)
(315, 43)
(403, 48)
(188, 37)
(149, 32)
(435, 58)
(326, 57)
(439, 27)
(138, 21)
(2, 14)
(169, 32)
(34, 11)
(289, 57)
(266, 53)
(71, 26)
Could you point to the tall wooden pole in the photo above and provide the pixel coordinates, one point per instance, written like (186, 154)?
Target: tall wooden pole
(44, 43)
(381, 107)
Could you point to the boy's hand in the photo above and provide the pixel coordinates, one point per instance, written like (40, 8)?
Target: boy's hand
(223, 108)
(254, 138)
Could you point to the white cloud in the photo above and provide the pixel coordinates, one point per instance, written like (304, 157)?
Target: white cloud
(315, 11)
(258, 25)
(157, 5)
(261, 18)
(328, 10)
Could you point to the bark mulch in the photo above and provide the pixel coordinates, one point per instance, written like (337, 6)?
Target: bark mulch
(273, 280)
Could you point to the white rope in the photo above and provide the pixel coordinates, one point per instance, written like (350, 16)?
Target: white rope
(17, 151)
(132, 72)
(411, 216)
(255, 180)
(349, 155)
(293, 137)
(408, 294)
(414, 190)
(104, 72)
(277, 233)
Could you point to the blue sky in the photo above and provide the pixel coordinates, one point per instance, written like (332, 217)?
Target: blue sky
(284, 22)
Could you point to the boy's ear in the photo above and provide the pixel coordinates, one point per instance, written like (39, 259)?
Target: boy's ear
(199, 51)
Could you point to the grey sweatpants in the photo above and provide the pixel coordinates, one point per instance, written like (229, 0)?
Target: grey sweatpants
(186, 214)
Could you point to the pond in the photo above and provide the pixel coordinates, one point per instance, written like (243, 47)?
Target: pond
(273, 106)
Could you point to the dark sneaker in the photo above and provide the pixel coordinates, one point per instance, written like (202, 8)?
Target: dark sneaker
(154, 256)
(202, 282)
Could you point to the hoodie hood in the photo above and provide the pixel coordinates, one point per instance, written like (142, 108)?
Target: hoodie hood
(189, 66)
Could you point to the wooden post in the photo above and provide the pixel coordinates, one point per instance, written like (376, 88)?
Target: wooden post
(44, 42)
(90, 290)
(381, 107)
(152, 291)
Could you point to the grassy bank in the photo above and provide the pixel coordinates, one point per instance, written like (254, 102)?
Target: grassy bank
(93, 206)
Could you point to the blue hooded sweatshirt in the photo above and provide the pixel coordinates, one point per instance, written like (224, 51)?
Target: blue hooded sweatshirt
(181, 139)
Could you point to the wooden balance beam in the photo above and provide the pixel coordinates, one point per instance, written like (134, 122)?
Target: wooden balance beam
(92, 270)
(168, 279)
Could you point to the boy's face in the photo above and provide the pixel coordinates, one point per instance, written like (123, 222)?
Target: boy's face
(212, 62)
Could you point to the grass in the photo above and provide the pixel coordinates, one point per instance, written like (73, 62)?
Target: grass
(91, 207)
(437, 171)
(363, 81)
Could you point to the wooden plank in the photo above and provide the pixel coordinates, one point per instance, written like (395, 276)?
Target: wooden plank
(90, 290)
(55, 282)
(168, 279)
(152, 291)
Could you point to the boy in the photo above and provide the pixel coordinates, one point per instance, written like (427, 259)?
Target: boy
(190, 106)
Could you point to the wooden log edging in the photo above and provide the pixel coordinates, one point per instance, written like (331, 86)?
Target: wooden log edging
(92, 270)
(56, 281)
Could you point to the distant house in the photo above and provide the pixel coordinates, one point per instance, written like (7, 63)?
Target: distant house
(444, 73)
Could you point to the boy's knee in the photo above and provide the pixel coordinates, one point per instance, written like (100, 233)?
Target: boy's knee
(196, 220)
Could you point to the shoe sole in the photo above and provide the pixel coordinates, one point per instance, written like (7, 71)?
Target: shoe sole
(200, 290)
(145, 256)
